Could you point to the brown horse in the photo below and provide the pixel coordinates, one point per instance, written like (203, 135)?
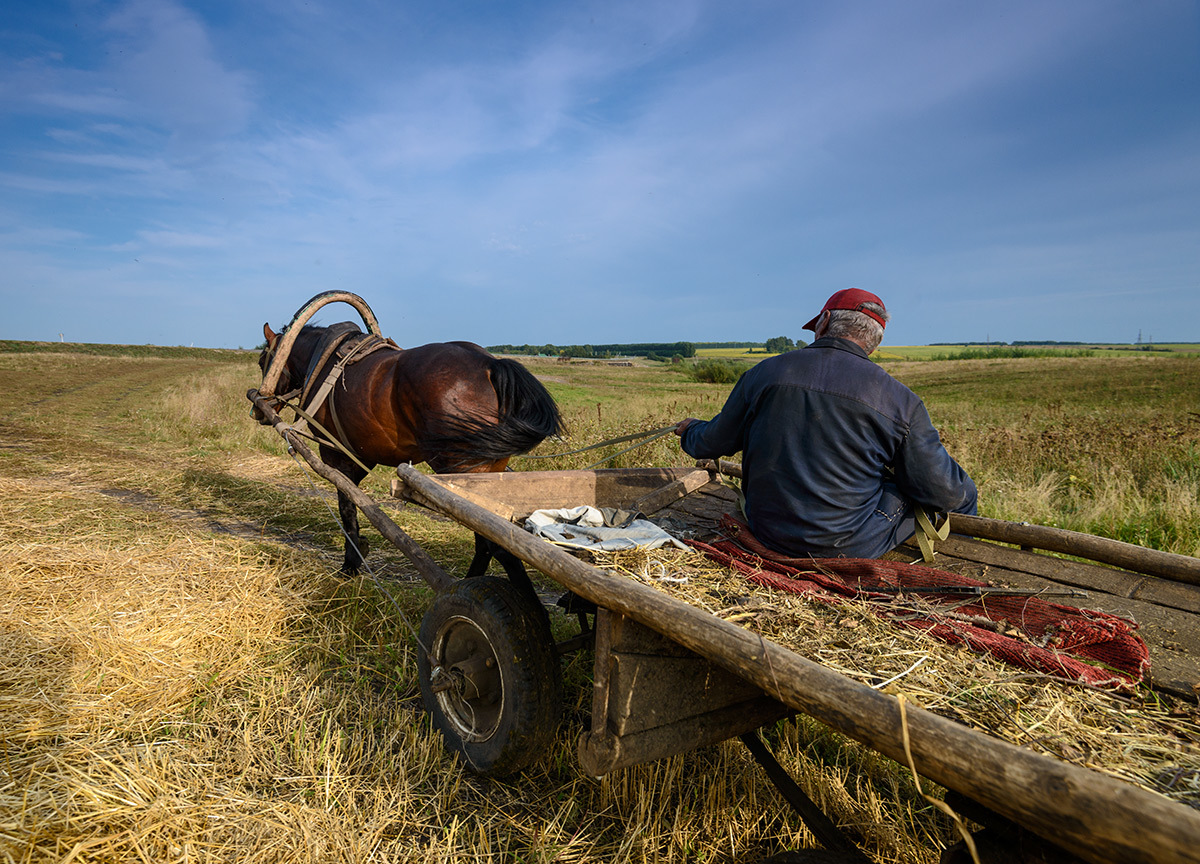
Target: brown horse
(450, 404)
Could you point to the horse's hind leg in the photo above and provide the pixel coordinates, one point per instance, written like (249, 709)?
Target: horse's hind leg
(484, 552)
(514, 567)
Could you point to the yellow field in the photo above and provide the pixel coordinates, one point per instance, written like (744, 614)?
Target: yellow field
(733, 353)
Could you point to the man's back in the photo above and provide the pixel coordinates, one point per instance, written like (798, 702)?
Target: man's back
(832, 447)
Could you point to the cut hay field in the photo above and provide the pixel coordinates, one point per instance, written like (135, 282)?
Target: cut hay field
(183, 676)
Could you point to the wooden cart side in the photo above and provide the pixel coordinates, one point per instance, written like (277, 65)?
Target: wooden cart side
(1097, 817)
(652, 699)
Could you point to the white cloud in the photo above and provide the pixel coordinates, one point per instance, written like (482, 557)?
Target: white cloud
(163, 61)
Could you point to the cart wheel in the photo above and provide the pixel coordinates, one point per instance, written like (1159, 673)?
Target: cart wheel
(489, 675)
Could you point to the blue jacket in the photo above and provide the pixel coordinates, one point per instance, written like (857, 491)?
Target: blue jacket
(835, 452)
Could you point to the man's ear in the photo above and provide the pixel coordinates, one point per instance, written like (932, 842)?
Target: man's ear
(822, 323)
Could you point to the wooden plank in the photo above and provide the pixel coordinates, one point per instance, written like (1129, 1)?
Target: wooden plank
(1102, 819)
(643, 680)
(1119, 583)
(654, 501)
(706, 506)
(648, 691)
(661, 701)
(606, 622)
(631, 637)
(601, 753)
(501, 509)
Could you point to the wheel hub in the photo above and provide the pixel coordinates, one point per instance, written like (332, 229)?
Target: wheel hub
(466, 679)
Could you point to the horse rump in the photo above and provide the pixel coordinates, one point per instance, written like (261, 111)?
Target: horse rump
(527, 415)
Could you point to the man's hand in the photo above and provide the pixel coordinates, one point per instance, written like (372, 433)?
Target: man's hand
(683, 424)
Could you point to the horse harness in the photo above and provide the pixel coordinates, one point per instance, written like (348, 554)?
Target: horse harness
(346, 344)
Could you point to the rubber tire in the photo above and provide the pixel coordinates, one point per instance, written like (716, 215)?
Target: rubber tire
(510, 719)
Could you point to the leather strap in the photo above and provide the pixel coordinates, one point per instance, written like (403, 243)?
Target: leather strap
(927, 534)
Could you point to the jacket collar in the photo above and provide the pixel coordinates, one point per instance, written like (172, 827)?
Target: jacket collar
(840, 344)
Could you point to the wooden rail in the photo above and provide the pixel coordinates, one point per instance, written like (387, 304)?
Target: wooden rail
(1152, 562)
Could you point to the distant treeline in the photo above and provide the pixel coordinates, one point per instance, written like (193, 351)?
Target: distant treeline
(12, 346)
(635, 349)
(1014, 342)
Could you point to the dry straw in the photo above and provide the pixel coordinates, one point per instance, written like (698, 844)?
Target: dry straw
(1144, 739)
(173, 695)
(167, 698)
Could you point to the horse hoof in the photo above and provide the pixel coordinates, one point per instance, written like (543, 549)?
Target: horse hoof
(354, 556)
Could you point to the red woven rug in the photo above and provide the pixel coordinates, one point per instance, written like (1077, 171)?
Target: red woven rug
(1090, 647)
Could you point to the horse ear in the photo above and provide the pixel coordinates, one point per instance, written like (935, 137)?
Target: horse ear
(269, 334)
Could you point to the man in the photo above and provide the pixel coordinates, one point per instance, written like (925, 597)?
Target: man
(836, 454)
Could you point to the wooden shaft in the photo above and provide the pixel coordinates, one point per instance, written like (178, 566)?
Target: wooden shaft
(1101, 819)
(437, 578)
(1152, 562)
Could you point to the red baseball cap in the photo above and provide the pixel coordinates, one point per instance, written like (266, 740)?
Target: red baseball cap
(849, 298)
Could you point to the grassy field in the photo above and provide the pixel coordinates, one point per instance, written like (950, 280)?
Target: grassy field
(183, 677)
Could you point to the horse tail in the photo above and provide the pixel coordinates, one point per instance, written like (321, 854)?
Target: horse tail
(525, 403)
(527, 410)
(527, 415)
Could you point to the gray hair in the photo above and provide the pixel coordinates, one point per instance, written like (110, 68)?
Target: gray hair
(857, 327)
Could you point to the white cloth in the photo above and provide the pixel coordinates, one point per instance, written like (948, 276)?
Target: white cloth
(588, 528)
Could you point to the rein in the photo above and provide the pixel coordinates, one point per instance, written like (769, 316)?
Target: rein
(649, 436)
(328, 439)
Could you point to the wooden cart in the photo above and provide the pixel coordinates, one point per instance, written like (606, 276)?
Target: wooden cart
(490, 671)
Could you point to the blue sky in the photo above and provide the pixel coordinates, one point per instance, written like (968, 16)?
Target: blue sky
(178, 173)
